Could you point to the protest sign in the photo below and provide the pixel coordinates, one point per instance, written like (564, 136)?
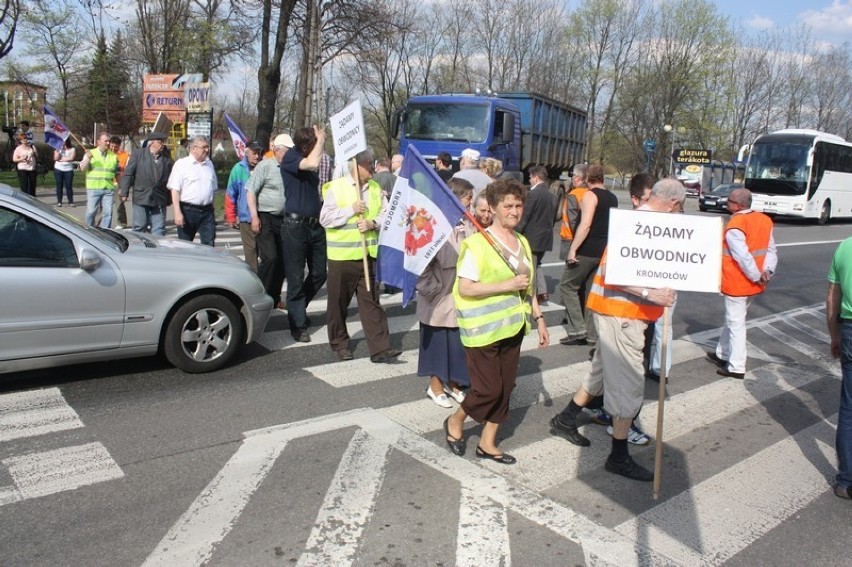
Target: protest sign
(347, 132)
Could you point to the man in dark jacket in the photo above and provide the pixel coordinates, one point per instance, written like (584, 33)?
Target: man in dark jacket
(147, 172)
(537, 223)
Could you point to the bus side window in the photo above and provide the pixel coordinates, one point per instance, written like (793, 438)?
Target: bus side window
(820, 159)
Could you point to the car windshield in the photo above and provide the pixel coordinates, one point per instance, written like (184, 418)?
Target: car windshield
(111, 238)
(724, 190)
(448, 122)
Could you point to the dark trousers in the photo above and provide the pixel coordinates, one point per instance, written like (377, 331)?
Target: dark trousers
(303, 244)
(198, 220)
(493, 371)
(64, 180)
(345, 279)
(270, 263)
(120, 209)
(27, 181)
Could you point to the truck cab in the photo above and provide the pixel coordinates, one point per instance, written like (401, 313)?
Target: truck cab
(451, 123)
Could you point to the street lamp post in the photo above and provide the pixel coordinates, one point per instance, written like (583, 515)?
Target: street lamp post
(673, 130)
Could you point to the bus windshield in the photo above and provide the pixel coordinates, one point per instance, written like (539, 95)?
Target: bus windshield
(450, 122)
(778, 168)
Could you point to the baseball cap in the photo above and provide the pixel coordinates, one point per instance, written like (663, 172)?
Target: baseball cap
(470, 153)
(283, 140)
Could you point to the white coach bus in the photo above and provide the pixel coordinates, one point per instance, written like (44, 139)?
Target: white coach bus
(801, 173)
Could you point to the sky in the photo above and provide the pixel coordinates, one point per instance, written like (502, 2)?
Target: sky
(830, 20)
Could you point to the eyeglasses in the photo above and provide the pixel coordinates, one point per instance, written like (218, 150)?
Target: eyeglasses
(201, 147)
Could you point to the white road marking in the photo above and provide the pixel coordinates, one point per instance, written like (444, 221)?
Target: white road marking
(213, 513)
(68, 468)
(9, 494)
(483, 535)
(706, 525)
(818, 357)
(348, 504)
(808, 330)
(36, 412)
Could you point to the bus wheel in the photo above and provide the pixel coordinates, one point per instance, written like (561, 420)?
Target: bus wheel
(825, 212)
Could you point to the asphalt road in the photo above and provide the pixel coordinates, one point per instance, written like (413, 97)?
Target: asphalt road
(289, 456)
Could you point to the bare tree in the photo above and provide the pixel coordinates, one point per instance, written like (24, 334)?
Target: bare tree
(54, 42)
(9, 13)
(273, 41)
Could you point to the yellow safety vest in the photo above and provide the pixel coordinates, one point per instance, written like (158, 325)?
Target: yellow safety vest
(486, 320)
(103, 170)
(344, 242)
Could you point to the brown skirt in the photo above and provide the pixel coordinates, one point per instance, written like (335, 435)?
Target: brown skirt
(493, 370)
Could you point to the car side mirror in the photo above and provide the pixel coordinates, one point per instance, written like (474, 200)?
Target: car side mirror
(89, 260)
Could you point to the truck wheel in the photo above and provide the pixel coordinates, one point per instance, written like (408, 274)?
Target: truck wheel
(825, 212)
(203, 334)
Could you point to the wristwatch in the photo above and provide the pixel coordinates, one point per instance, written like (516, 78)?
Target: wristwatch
(645, 293)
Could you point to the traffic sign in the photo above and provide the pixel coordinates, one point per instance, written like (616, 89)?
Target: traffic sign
(650, 146)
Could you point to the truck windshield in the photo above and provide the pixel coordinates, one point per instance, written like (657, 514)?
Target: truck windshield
(450, 122)
(778, 168)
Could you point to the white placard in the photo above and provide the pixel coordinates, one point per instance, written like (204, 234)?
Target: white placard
(347, 132)
(649, 249)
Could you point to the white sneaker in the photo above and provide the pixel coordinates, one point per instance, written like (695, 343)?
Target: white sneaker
(457, 396)
(441, 400)
(635, 436)
(119, 227)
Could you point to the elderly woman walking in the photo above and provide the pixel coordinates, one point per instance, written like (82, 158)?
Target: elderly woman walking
(494, 301)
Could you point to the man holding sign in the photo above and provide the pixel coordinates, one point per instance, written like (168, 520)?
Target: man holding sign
(621, 314)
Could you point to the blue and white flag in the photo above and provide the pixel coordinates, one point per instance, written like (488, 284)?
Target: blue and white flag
(55, 132)
(237, 137)
(421, 216)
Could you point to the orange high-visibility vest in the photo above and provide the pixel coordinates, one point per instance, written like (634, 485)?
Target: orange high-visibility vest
(614, 301)
(757, 228)
(565, 232)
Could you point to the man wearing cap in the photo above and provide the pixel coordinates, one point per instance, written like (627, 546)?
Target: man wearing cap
(237, 213)
(265, 200)
(147, 172)
(302, 237)
(469, 171)
(193, 184)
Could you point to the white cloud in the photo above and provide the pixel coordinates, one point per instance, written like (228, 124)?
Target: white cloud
(835, 19)
(759, 22)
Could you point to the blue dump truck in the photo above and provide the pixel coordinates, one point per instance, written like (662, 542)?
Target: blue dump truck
(520, 129)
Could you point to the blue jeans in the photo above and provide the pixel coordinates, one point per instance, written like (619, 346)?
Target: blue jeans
(143, 216)
(64, 180)
(303, 243)
(843, 441)
(99, 198)
(198, 220)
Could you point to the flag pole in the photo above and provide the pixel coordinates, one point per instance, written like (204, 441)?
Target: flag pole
(661, 402)
(361, 217)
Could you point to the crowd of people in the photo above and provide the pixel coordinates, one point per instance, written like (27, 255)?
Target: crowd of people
(483, 290)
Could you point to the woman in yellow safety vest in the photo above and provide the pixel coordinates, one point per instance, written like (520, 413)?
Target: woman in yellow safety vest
(494, 299)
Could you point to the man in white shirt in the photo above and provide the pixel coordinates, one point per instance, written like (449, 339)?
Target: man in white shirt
(193, 184)
(469, 171)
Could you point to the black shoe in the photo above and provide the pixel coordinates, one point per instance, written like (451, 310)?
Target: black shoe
(649, 375)
(630, 469)
(727, 373)
(845, 493)
(386, 355)
(504, 459)
(344, 354)
(571, 341)
(457, 446)
(720, 362)
(569, 432)
(301, 336)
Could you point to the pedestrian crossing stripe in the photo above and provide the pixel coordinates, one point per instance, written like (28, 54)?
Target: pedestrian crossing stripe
(691, 527)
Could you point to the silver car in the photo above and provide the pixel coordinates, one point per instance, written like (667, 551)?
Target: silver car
(71, 293)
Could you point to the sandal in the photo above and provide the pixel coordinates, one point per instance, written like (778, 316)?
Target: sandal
(457, 446)
(503, 459)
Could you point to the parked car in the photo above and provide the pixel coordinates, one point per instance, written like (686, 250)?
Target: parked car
(73, 293)
(717, 199)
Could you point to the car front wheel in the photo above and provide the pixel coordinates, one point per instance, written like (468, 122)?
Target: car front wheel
(203, 334)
